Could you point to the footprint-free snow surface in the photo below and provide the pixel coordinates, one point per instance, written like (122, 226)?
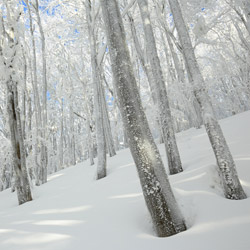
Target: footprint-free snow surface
(73, 211)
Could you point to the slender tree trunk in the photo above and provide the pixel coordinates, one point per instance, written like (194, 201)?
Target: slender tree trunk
(37, 107)
(231, 184)
(146, 70)
(90, 142)
(61, 155)
(174, 161)
(72, 135)
(44, 149)
(98, 104)
(157, 192)
(107, 127)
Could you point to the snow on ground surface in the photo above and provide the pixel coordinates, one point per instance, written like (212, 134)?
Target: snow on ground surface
(74, 211)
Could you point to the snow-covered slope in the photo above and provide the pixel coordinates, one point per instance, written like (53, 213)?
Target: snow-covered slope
(75, 212)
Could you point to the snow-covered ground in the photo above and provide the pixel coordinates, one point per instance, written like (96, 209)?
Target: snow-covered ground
(75, 212)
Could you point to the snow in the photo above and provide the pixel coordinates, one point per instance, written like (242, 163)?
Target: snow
(74, 211)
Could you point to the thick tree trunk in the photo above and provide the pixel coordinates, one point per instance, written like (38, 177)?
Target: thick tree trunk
(174, 161)
(19, 156)
(22, 184)
(231, 184)
(157, 192)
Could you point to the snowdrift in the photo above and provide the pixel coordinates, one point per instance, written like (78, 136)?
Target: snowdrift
(74, 211)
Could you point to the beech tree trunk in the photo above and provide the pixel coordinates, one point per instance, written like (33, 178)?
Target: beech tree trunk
(22, 184)
(18, 150)
(38, 147)
(44, 148)
(157, 192)
(174, 160)
(231, 184)
(98, 104)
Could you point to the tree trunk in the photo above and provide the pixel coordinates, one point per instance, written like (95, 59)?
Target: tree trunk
(61, 155)
(37, 108)
(174, 161)
(231, 184)
(98, 104)
(157, 192)
(44, 149)
(107, 127)
(19, 156)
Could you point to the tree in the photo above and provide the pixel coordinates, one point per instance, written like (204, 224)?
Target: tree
(230, 181)
(9, 52)
(98, 95)
(157, 192)
(159, 87)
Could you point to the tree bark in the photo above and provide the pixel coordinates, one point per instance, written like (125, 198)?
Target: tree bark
(98, 104)
(157, 192)
(231, 184)
(174, 161)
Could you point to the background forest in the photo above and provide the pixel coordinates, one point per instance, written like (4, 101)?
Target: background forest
(83, 79)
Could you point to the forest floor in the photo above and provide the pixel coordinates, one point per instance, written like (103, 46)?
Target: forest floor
(73, 211)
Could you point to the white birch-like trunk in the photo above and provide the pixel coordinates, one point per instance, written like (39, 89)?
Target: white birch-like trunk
(230, 181)
(157, 192)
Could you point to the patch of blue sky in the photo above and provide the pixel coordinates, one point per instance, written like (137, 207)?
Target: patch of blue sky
(109, 99)
(48, 95)
(24, 5)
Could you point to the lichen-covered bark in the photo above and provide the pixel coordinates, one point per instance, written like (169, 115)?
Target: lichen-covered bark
(231, 184)
(157, 192)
